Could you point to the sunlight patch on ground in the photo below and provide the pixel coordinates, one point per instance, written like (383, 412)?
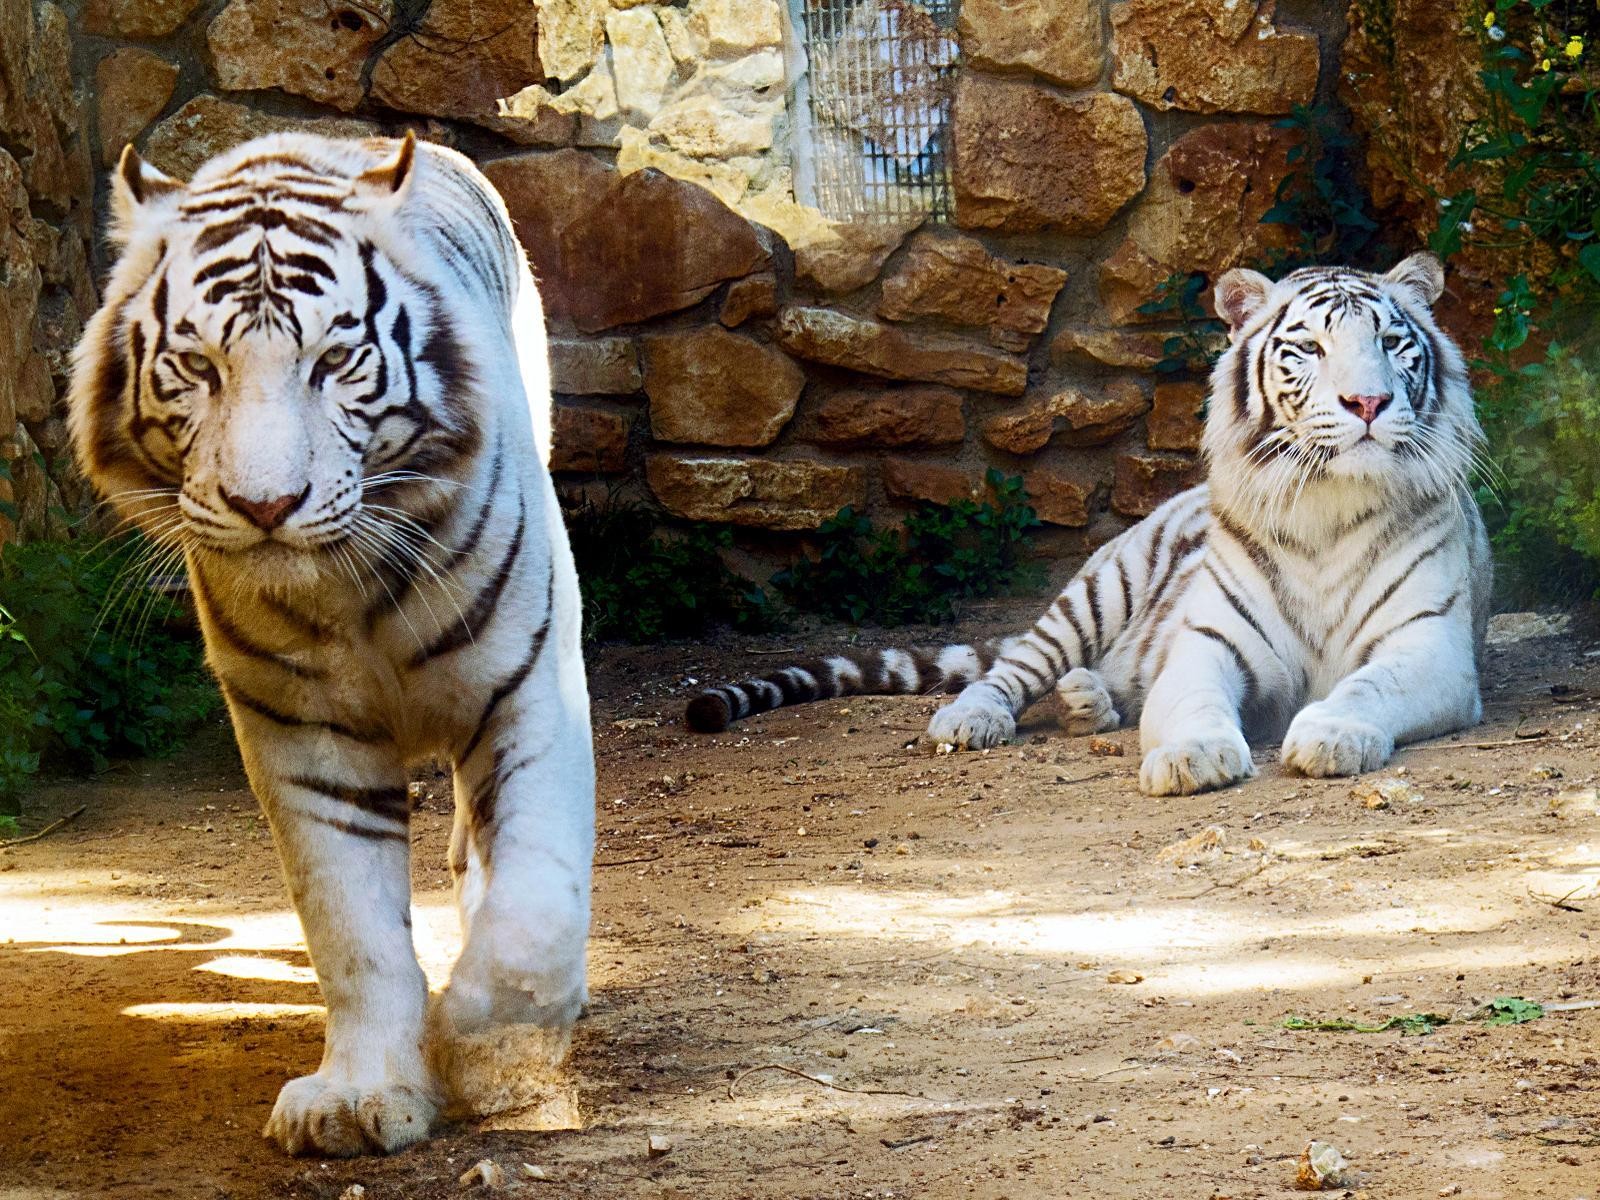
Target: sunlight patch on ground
(241, 966)
(231, 1010)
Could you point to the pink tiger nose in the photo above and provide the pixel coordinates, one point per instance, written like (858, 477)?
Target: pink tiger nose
(265, 514)
(1366, 407)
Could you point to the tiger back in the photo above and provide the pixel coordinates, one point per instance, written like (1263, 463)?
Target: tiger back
(319, 379)
(1328, 585)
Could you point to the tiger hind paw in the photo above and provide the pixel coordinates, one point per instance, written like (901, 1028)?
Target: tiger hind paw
(1083, 705)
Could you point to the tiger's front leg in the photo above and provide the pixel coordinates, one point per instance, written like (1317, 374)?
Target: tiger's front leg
(521, 853)
(337, 802)
(1420, 681)
(1190, 728)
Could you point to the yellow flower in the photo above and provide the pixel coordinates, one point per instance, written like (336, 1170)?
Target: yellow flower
(1574, 47)
(1544, 64)
(1498, 311)
(1488, 20)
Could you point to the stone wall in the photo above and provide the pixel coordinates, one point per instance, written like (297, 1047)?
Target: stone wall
(718, 347)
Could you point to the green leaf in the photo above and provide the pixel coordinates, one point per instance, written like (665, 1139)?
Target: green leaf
(1509, 1010)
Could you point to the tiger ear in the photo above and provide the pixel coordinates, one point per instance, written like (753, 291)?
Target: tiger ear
(1422, 275)
(136, 188)
(390, 180)
(1239, 295)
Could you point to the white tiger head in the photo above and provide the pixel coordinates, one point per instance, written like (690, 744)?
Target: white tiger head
(263, 364)
(1339, 375)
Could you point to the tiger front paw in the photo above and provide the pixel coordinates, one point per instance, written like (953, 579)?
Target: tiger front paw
(321, 1114)
(972, 725)
(1323, 743)
(1196, 765)
(1083, 704)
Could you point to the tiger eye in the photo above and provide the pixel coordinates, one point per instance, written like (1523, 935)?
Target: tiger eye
(1391, 341)
(195, 362)
(334, 358)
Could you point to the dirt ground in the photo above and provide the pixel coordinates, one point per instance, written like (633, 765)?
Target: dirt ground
(939, 937)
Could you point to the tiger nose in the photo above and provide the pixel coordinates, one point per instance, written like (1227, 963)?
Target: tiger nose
(266, 514)
(1366, 407)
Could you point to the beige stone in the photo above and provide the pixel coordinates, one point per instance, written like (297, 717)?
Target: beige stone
(206, 126)
(463, 58)
(840, 340)
(687, 47)
(571, 36)
(132, 86)
(845, 256)
(710, 387)
(588, 439)
(1202, 212)
(889, 417)
(1145, 481)
(769, 493)
(613, 249)
(1057, 498)
(755, 296)
(754, 72)
(929, 482)
(1175, 422)
(1059, 39)
(1076, 418)
(595, 366)
(702, 126)
(1211, 56)
(727, 181)
(137, 18)
(1027, 158)
(1135, 349)
(736, 26)
(307, 47)
(642, 65)
(955, 279)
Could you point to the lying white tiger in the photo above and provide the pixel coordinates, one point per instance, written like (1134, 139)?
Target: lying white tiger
(1329, 585)
(320, 374)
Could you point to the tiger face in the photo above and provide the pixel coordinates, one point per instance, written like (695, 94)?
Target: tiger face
(1342, 374)
(272, 369)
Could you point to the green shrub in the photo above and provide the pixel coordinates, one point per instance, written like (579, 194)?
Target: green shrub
(640, 584)
(946, 553)
(89, 663)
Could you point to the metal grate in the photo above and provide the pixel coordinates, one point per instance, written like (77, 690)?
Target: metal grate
(880, 78)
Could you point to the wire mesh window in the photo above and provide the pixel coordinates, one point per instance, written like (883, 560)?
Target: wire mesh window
(875, 107)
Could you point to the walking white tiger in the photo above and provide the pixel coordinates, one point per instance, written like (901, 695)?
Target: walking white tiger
(1329, 584)
(320, 378)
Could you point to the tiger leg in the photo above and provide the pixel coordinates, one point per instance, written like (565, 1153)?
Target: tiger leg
(1084, 704)
(1190, 727)
(339, 813)
(1420, 683)
(526, 848)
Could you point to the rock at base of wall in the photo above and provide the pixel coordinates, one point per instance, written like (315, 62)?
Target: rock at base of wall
(755, 296)
(710, 387)
(889, 417)
(931, 482)
(1145, 481)
(588, 439)
(840, 340)
(206, 126)
(955, 279)
(1072, 417)
(595, 366)
(767, 493)
(1058, 499)
(1175, 422)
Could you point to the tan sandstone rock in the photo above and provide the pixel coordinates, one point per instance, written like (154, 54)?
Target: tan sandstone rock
(954, 278)
(1211, 56)
(1026, 158)
(132, 86)
(613, 249)
(307, 47)
(206, 126)
(769, 493)
(753, 296)
(571, 36)
(1075, 418)
(588, 439)
(1175, 422)
(595, 366)
(931, 482)
(463, 58)
(889, 417)
(840, 340)
(1061, 40)
(642, 64)
(1134, 349)
(729, 27)
(1057, 498)
(1144, 481)
(1201, 212)
(137, 18)
(714, 388)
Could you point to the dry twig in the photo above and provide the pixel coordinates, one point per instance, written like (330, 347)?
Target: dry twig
(837, 1087)
(48, 829)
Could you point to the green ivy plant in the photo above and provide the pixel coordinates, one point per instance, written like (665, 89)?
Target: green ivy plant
(944, 554)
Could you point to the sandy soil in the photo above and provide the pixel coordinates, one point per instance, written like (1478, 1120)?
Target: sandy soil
(936, 936)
